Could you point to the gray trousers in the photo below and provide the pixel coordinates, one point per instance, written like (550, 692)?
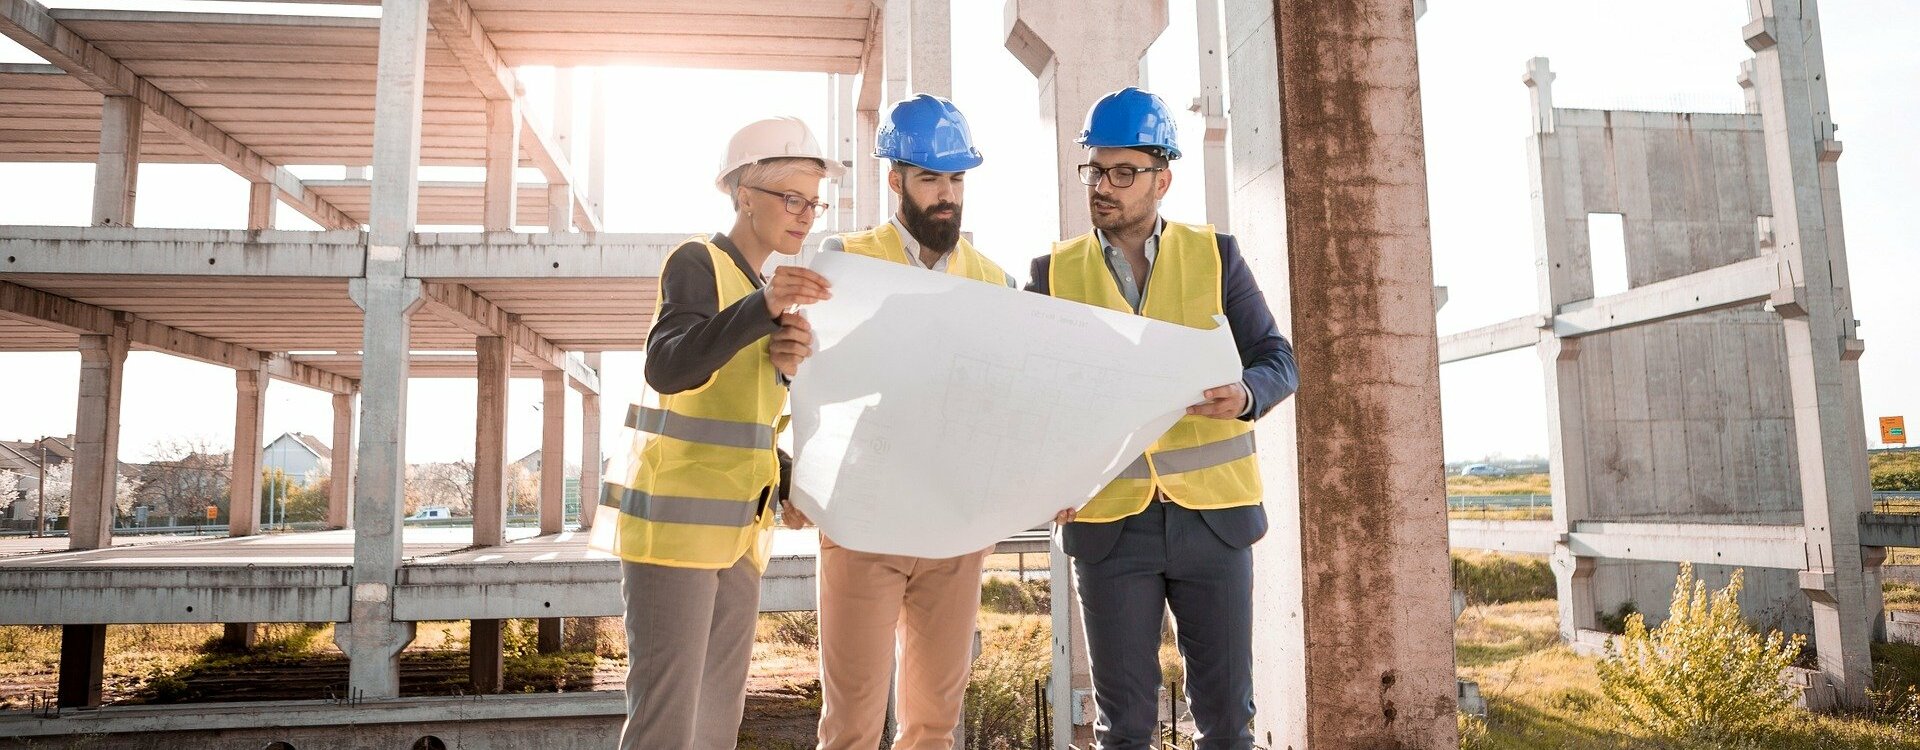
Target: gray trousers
(1167, 557)
(689, 640)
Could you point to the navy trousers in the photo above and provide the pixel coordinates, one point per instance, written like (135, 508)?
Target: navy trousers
(1169, 557)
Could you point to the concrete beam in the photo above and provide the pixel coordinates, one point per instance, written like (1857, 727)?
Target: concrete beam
(490, 441)
(563, 589)
(249, 435)
(175, 594)
(1521, 537)
(96, 438)
(1353, 622)
(1751, 546)
(340, 476)
(28, 23)
(1889, 530)
(181, 252)
(930, 68)
(1076, 63)
(1519, 333)
(584, 719)
(560, 200)
(117, 172)
(1211, 105)
(1745, 282)
(34, 306)
(473, 313)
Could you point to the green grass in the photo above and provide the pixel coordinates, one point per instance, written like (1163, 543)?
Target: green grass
(1517, 484)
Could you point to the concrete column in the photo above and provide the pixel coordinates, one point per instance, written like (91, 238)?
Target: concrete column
(1078, 62)
(261, 206)
(1871, 560)
(117, 172)
(1564, 274)
(590, 449)
(1746, 79)
(488, 667)
(597, 148)
(96, 440)
(1070, 674)
(249, 428)
(490, 442)
(503, 161)
(553, 456)
(931, 48)
(373, 639)
(240, 636)
(846, 121)
(340, 486)
(1211, 104)
(1353, 631)
(874, 205)
(83, 659)
(560, 194)
(1828, 424)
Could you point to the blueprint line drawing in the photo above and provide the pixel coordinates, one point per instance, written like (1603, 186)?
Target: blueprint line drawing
(939, 415)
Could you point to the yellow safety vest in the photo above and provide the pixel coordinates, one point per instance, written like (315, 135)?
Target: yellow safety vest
(704, 459)
(884, 242)
(1200, 462)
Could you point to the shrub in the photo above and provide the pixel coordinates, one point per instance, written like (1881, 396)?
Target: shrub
(797, 628)
(1000, 706)
(1704, 675)
(1014, 597)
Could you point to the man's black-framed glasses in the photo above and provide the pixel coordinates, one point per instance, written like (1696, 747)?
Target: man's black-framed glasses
(796, 205)
(1121, 176)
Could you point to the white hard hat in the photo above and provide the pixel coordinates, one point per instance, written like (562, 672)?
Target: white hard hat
(773, 138)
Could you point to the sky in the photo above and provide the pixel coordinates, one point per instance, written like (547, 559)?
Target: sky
(668, 128)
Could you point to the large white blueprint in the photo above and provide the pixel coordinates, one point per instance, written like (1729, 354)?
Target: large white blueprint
(939, 415)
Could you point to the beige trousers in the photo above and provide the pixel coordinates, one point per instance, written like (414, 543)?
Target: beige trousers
(874, 606)
(689, 641)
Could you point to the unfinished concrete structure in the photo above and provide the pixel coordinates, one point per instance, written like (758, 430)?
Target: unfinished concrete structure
(1711, 413)
(433, 82)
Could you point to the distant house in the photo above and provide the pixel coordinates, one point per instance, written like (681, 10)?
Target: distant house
(22, 459)
(303, 457)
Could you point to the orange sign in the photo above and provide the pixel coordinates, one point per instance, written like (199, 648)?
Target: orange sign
(213, 512)
(1893, 430)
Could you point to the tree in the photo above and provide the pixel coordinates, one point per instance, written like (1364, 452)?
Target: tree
(187, 475)
(523, 491)
(440, 485)
(59, 484)
(9, 487)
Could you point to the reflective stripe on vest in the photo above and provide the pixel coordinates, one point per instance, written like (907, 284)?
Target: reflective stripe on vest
(703, 460)
(697, 429)
(884, 242)
(1199, 462)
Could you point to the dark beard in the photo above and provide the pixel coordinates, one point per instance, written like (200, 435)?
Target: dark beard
(938, 235)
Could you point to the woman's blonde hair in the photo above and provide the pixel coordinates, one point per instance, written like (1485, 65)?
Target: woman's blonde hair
(768, 171)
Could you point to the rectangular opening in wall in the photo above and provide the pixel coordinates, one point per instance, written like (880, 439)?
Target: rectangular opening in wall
(1607, 243)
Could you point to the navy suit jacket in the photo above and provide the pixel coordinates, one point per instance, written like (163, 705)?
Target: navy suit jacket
(1266, 359)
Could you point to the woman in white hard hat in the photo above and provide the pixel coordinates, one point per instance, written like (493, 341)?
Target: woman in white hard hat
(693, 522)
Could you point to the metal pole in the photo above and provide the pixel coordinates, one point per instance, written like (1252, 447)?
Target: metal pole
(40, 519)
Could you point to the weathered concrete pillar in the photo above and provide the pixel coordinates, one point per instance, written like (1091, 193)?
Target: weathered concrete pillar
(560, 194)
(490, 441)
(372, 639)
(846, 120)
(488, 667)
(873, 201)
(116, 173)
(553, 456)
(240, 636)
(249, 428)
(931, 49)
(589, 448)
(83, 659)
(96, 440)
(1211, 104)
(1077, 62)
(1564, 273)
(1829, 428)
(262, 204)
(499, 212)
(1871, 560)
(1353, 643)
(340, 483)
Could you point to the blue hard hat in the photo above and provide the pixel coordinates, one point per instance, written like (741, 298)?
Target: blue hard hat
(928, 132)
(1130, 118)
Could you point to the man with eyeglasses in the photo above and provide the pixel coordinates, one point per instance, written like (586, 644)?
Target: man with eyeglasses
(1175, 530)
(869, 601)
